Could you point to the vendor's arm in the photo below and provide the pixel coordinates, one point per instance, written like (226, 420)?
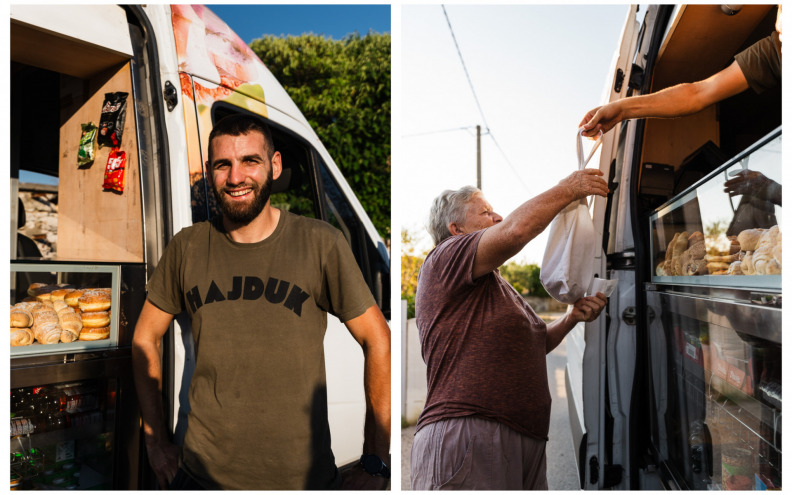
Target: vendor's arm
(147, 365)
(676, 101)
(371, 331)
(585, 309)
(505, 239)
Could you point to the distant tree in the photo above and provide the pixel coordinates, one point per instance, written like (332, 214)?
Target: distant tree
(411, 261)
(343, 89)
(524, 278)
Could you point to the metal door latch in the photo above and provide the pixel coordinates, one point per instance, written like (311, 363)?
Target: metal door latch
(169, 95)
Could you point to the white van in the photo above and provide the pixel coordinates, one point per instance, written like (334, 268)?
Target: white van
(679, 385)
(183, 69)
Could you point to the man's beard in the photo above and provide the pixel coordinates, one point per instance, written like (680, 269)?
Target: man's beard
(243, 214)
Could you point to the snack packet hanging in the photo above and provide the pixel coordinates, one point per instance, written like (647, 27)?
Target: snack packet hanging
(87, 150)
(114, 171)
(111, 125)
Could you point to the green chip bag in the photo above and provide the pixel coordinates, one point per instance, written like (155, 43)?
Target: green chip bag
(87, 151)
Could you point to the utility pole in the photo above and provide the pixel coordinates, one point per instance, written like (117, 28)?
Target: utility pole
(478, 156)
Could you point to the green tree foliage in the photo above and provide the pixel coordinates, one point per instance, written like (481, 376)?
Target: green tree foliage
(524, 278)
(343, 89)
(411, 261)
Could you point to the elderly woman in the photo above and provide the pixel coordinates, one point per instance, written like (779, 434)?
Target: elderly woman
(487, 410)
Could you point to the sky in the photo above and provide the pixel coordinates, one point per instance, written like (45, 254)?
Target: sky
(536, 70)
(335, 21)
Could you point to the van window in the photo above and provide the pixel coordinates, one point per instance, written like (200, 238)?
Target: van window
(341, 214)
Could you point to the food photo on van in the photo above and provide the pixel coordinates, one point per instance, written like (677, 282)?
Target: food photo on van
(677, 384)
(167, 192)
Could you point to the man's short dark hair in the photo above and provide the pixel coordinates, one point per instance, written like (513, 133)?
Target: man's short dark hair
(238, 124)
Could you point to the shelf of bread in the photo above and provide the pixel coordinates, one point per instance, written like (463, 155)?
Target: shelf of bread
(72, 308)
(726, 230)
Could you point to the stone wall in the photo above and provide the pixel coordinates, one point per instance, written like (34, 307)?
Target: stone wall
(41, 219)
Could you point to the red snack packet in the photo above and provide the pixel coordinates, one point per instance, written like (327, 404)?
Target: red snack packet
(114, 171)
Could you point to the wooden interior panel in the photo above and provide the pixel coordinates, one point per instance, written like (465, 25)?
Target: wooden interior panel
(50, 51)
(669, 141)
(703, 41)
(95, 224)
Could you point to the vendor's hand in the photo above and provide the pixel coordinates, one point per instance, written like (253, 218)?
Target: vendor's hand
(164, 460)
(356, 478)
(586, 182)
(749, 182)
(600, 119)
(588, 309)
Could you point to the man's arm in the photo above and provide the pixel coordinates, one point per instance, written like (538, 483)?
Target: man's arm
(676, 101)
(147, 365)
(371, 331)
(505, 239)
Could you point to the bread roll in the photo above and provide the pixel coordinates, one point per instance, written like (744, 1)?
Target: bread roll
(715, 267)
(695, 237)
(95, 333)
(58, 305)
(749, 239)
(35, 289)
(73, 297)
(70, 322)
(763, 258)
(95, 319)
(746, 265)
(21, 317)
(59, 294)
(723, 259)
(697, 267)
(21, 336)
(46, 326)
(94, 300)
(734, 268)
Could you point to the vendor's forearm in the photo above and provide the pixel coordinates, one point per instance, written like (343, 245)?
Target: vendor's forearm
(148, 383)
(378, 399)
(676, 101)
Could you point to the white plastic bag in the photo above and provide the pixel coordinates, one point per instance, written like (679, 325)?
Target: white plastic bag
(568, 264)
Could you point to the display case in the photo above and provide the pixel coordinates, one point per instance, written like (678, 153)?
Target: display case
(724, 231)
(99, 278)
(716, 392)
(63, 435)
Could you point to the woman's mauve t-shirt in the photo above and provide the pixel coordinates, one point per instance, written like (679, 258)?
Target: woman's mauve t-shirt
(483, 345)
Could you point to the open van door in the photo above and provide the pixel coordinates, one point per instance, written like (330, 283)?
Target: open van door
(657, 399)
(599, 388)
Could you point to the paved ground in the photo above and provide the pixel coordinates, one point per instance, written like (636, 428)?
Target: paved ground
(561, 470)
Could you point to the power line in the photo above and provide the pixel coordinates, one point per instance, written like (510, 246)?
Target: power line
(417, 134)
(475, 97)
(464, 67)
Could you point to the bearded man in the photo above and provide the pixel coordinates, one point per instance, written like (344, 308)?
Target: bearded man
(257, 284)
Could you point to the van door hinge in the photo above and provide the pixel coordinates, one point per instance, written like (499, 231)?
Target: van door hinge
(170, 96)
(593, 470)
(619, 81)
(613, 475)
(636, 77)
(630, 316)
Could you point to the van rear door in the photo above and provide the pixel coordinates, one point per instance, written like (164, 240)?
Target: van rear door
(598, 387)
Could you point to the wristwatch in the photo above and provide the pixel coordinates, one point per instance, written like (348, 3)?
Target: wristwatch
(374, 466)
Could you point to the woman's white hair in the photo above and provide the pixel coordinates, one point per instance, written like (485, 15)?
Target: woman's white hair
(449, 207)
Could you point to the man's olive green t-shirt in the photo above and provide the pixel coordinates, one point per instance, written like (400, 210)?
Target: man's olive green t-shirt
(258, 396)
(761, 63)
